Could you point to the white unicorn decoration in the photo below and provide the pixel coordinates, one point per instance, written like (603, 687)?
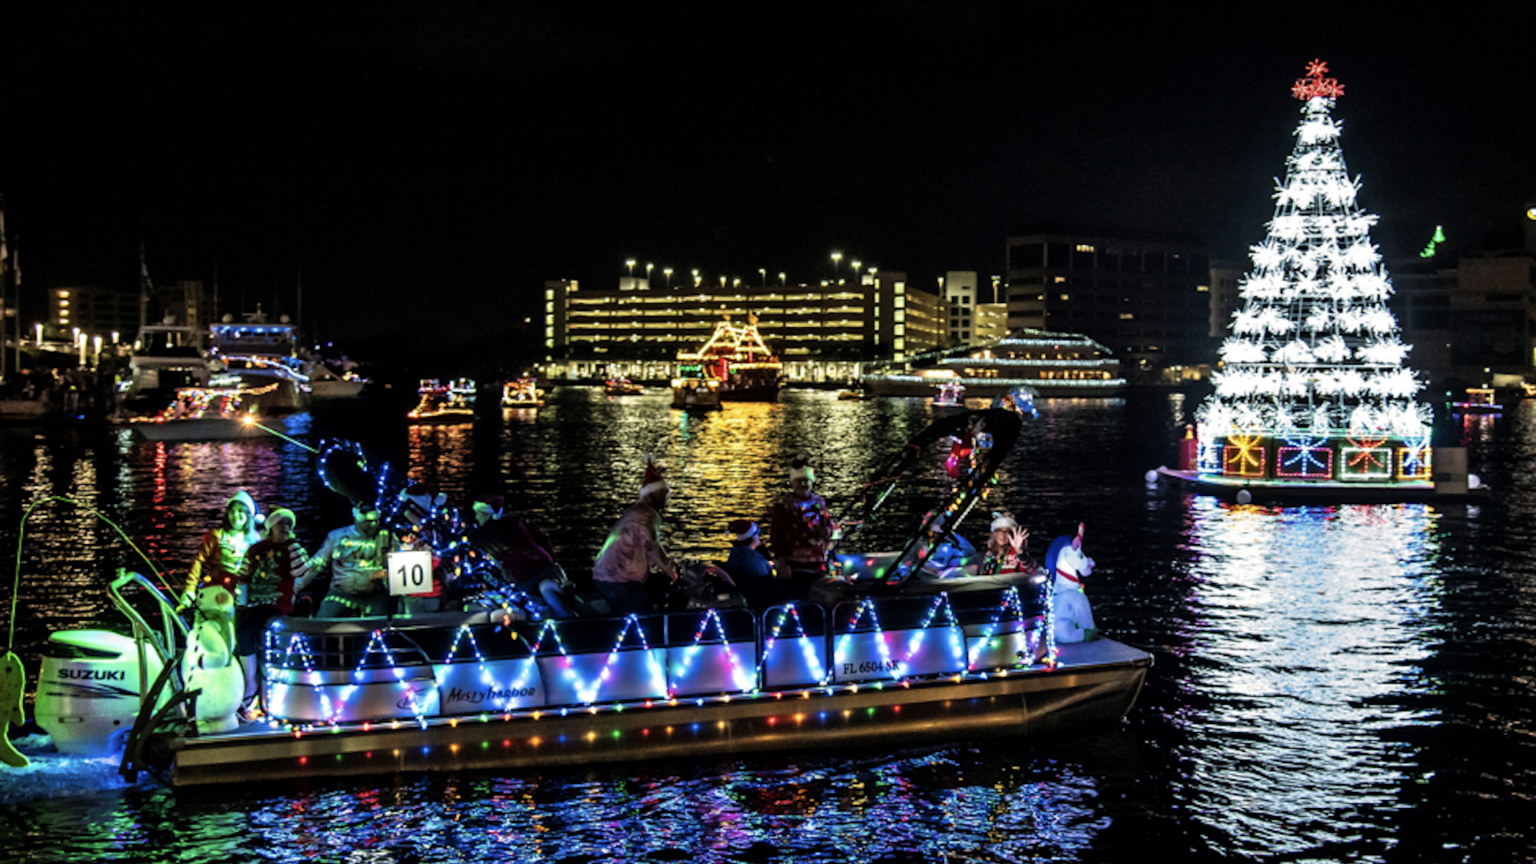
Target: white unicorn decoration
(1074, 618)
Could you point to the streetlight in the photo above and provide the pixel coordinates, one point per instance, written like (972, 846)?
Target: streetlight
(837, 258)
(697, 279)
(782, 282)
(667, 272)
(648, 267)
(630, 263)
(763, 272)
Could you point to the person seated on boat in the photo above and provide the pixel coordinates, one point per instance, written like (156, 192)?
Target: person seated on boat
(1074, 618)
(276, 569)
(524, 556)
(357, 557)
(750, 569)
(951, 556)
(1006, 547)
(801, 530)
(420, 510)
(222, 551)
(633, 549)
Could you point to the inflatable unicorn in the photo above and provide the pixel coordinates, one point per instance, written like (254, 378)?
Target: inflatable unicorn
(1065, 559)
(210, 665)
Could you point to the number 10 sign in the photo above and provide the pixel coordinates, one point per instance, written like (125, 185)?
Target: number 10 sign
(410, 572)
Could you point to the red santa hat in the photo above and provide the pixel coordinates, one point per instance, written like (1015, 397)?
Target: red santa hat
(742, 530)
(800, 467)
(653, 481)
(1003, 520)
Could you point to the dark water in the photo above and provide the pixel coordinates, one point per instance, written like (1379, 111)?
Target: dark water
(1331, 683)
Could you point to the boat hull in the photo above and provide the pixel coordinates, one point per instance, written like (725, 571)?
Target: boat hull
(1096, 682)
(1325, 491)
(988, 388)
(199, 429)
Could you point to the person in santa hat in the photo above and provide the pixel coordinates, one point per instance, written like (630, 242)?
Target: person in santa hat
(750, 569)
(1005, 547)
(633, 549)
(801, 530)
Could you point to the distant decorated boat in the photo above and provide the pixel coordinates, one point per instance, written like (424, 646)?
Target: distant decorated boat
(442, 403)
(1053, 364)
(206, 414)
(522, 393)
(739, 361)
(622, 386)
(1477, 400)
(500, 687)
(951, 394)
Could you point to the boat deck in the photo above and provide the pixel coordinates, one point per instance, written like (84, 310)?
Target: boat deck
(1314, 491)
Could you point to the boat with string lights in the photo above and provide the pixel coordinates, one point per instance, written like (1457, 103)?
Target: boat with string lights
(206, 414)
(622, 387)
(734, 362)
(1313, 401)
(1053, 364)
(440, 403)
(885, 658)
(521, 393)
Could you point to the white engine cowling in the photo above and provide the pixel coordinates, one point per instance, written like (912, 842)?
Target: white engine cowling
(88, 692)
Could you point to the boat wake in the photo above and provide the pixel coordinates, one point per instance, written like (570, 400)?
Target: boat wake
(59, 775)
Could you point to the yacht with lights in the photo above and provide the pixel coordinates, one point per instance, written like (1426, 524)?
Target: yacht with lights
(1051, 363)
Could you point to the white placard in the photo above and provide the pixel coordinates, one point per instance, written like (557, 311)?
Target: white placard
(410, 572)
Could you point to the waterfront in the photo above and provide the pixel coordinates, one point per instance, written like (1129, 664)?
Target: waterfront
(1348, 683)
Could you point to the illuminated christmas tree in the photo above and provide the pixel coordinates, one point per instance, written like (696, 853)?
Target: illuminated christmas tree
(1314, 387)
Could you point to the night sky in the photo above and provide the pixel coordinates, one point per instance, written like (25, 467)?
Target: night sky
(427, 167)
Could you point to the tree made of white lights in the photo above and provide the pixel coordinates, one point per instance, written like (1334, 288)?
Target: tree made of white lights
(1313, 352)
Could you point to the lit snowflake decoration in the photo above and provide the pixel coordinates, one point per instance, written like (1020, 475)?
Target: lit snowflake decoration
(1315, 85)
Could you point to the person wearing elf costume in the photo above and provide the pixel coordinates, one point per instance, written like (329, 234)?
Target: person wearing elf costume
(357, 556)
(276, 568)
(750, 569)
(801, 530)
(633, 549)
(1006, 547)
(222, 551)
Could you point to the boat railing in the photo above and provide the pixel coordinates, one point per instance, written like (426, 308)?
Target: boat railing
(392, 669)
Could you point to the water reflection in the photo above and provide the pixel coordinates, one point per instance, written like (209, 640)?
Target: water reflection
(1300, 620)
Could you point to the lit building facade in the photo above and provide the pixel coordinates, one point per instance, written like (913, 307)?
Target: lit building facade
(1146, 296)
(819, 331)
(94, 311)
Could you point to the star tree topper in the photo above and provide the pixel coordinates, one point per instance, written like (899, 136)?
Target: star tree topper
(1315, 84)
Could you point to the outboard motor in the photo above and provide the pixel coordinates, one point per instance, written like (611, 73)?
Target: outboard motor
(88, 692)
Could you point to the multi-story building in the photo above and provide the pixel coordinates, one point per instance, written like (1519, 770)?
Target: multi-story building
(991, 323)
(92, 310)
(959, 290)
(819, 331)
(1471, 318)
(1144, 295)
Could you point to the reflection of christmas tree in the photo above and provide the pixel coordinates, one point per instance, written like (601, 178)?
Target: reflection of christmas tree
(1314, 385)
